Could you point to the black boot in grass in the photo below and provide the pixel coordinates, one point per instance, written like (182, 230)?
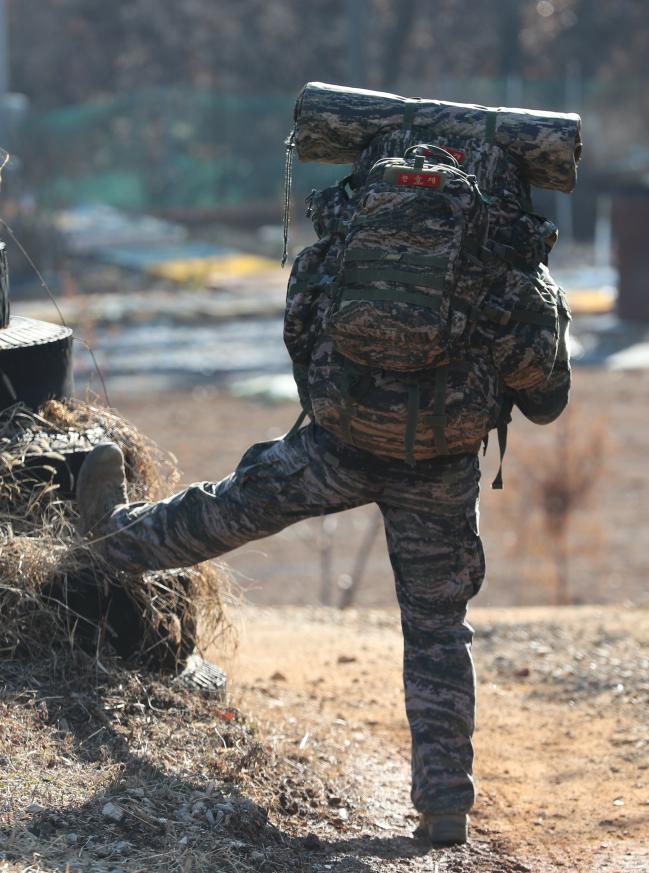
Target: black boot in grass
(101, 487)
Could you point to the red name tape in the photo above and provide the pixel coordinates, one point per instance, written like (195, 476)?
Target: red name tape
(420, 180)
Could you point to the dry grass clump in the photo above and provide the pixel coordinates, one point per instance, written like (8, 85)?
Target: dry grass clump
(131, 772)
(53, 589)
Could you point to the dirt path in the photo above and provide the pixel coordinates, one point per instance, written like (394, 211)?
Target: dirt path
(561, 748)
(305, 769)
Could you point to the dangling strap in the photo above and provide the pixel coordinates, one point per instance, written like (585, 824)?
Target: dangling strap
(296, 426)
(412, 417)
(439, 410)
(349, 377)
(6, 381)
(501, 430)
(288, 182)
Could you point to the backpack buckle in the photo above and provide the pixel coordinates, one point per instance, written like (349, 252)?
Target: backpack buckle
(495, 313)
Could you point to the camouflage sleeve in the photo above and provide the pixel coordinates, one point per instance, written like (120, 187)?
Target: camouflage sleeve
(300, 374)
(546, 402)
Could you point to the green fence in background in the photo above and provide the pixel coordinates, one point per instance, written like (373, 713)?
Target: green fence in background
(186, 149)
(159, 149)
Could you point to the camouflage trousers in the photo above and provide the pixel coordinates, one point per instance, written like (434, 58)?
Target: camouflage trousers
(430, 515)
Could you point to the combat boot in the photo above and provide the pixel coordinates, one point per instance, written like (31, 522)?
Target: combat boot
(101, 487)
(443, 830)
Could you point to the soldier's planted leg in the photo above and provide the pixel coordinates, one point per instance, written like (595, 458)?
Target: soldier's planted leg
(438, 563)
(276, 484)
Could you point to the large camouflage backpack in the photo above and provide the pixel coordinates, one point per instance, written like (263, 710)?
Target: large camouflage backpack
(521, 305)
(425, 300)
(374, 391)
(410, 272)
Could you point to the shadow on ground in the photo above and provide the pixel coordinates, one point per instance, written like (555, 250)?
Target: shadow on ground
(117, 771)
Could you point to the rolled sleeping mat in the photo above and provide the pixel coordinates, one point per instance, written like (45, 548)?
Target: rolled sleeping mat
(333, 124)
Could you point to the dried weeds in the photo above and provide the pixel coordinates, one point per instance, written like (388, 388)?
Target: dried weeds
(53, 589)
(132, 772)
(552, 489)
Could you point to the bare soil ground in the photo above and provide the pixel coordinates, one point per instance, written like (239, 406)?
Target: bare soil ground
(562, 753)
(309, 772)
(306, 768)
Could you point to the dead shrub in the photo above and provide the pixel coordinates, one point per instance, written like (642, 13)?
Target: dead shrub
(554, 482)
(53, 589)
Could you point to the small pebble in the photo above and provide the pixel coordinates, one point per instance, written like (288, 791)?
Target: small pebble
(114, 813)
(36, 807)
(312, 843)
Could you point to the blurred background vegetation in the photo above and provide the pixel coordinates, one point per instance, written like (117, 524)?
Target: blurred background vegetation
(183, 104)
(146, 182)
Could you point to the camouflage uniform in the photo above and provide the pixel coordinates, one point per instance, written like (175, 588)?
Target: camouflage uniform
(430, 509)
(431, 522)
(430, 513)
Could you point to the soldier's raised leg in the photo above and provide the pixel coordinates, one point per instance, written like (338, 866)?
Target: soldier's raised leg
(275, 484)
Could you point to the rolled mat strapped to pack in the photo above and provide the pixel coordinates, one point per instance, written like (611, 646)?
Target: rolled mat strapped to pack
(333, 124)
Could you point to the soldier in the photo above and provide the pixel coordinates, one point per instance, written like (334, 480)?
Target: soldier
(430, 513)
(421, 314)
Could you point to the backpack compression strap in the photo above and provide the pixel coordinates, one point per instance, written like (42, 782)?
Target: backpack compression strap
(501, 429)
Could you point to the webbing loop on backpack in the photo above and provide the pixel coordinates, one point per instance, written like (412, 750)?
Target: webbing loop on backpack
(438, 417)
(439, 262)
(506, 253)
(409, 111)
(357, 276)
(412, 417)
(490, 125)
(503, 317)
(472, 312)
(537, 318)
(426, 301)
(349, 377)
